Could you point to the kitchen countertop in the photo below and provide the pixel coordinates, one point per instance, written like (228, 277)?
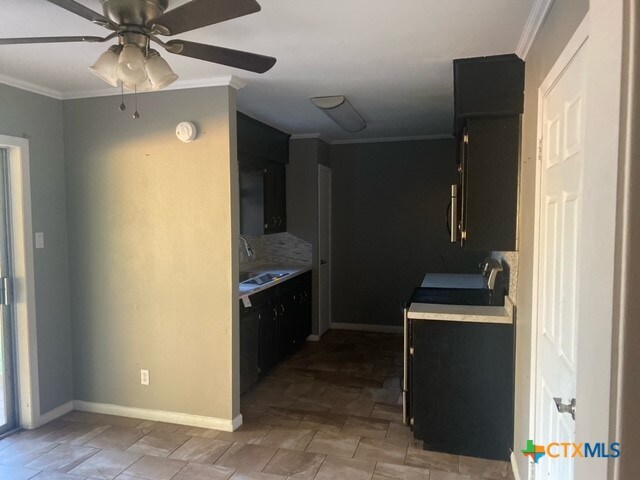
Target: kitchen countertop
(463, 313)
(292, 270)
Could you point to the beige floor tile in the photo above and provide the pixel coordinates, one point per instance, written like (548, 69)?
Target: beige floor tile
(356, 406)
(387, 412)
(279, 417)
(315, 404)
(404, 472)
(245, 434)
(17, 473)
(294, 464)
(201, 450)
(324, 422)
(195, 471)
(484, 468)
(115, 438)
(249, 475)
(158, 444)
(380, 395)
(76, 433)
(293, 439)
(56, 476)
(198, 432)
(105, 465)
(151, 426)
(417, 457)
(336, 468)
(333, 444)
(153, 468)
(366, 427)
(380, 450)
(399, 431)
(440, 475)
(307, 387)
(62, 458)
(23, 452)
(247, 457)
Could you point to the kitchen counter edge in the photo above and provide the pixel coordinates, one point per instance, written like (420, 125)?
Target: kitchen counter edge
(293, 270)
(463, 313)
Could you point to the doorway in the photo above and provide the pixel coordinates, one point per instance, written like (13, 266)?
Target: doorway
(8, 387)
(324, 248)
(559, 205)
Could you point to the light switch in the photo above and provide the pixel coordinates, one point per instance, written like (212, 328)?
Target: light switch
(39, 239)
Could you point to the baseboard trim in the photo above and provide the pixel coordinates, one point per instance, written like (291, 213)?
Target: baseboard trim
(313, 338)
(365, 327)
(51, 415)
(514, 466)
(160, 415)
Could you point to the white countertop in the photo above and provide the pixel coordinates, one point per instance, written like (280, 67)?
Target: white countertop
(463, 313)
(292, 270)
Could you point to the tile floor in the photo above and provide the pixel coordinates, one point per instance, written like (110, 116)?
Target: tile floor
(329, 412)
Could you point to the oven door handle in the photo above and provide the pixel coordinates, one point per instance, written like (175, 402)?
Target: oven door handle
(405, 376)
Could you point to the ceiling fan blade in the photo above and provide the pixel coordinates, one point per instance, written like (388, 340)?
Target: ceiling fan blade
(201, 13)
(25, 40)
(224, 56)
(81, 10)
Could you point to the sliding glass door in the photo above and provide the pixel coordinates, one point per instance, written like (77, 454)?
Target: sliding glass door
(8, 411)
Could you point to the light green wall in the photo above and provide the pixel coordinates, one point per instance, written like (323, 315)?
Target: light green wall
(39, 118)
(152, 222)
(560, 24)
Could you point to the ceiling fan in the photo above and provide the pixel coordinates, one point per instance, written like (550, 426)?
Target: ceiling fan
(131, 63)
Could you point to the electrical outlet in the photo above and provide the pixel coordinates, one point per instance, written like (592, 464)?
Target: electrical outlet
(144, 377)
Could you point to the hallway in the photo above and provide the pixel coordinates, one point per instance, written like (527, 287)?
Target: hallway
(329, 412)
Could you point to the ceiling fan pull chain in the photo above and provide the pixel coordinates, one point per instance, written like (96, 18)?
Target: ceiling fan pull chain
(123, 107)
(136, 115)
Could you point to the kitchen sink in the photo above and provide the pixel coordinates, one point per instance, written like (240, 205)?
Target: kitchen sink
(252, 278)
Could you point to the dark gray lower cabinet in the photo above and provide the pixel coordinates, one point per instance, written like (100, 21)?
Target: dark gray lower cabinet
(462, 387)
(274, 327)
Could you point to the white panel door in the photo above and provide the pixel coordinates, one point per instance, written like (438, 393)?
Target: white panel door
(324, 247)
(560, 195)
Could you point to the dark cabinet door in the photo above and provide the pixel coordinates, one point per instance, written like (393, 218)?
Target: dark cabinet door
(302, 325)
(268, 348)
(462, 387)
(249, 347)
(490, 183)
(275, 215)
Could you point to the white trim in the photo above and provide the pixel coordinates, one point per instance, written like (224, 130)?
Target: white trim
(57, 412)
(514, 466)
(578, 39)
(160, 415)
(29, 87)
(24, 307)
(537, 15)
(414, 138)
(366, 327)
(313, 338)
(226, 81)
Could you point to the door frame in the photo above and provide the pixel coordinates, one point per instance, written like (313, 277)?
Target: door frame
(602, 26)
(24, 308)
(326, 169)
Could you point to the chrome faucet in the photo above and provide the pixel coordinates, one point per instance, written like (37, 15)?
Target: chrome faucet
(247, 247)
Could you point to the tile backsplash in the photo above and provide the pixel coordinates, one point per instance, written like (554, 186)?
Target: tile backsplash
(277, 248)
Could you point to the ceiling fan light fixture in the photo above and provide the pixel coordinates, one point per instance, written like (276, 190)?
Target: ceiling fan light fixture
(130, 68)
(339, 109)
(159, 71)
(105, 66)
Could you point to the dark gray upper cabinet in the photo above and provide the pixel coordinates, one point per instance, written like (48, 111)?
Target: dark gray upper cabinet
(486, 86)
(255, 139)
(489, 99)
(263, 152)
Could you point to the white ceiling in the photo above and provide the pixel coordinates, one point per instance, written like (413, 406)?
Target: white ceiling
(391, 58)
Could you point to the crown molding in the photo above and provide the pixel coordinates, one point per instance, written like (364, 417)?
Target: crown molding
(226, 81)
(537, 15)
(29, 87)
(393, 139)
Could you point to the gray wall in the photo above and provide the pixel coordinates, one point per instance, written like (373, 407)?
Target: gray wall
(152, 223)
(389, 207)
(39, 118)
(560, 24)
(302, 201)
